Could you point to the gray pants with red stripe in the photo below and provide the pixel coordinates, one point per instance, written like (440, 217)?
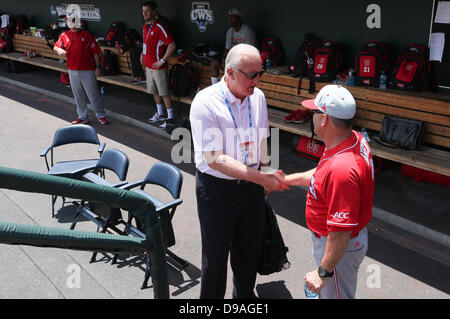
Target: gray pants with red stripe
(343, 284)
(84, 87)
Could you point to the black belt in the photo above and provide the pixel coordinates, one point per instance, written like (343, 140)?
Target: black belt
(230, 181)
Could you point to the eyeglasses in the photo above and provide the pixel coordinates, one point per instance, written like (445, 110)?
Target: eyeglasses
(251, 76)
(317, 112)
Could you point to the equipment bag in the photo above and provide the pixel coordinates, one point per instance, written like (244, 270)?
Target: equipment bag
(412, 69)
(21, 24)
(6, 45)
(402, 133)
(303, 60)
(374, 58)
(328, 62)
(108, 63)
(273, 253)
(182, 79)
(308, 148)
(16, 67)
(115, 34)
(64, 79)
(271, 48)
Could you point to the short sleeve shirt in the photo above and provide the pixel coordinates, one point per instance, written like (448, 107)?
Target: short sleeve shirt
(341, 192)
(81, 48)
(213, 128)
(244, 35)
(156, 39)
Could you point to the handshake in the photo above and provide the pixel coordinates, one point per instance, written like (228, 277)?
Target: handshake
(275, 180)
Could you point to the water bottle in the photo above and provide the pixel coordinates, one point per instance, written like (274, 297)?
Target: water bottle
(383, 80)
(309, 294)
(268, 63)
(351, 78)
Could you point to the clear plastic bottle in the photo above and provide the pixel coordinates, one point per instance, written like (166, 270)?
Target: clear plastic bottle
(383, 80)
(309, 294)
(268, 63)
(351, 78)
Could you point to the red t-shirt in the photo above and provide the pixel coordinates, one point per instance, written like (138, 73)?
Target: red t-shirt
(156, 39)
(340, 195)
(81, 48)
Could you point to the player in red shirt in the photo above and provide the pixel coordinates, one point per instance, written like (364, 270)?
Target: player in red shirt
(158, 46)
(83, 62)
(340, 196)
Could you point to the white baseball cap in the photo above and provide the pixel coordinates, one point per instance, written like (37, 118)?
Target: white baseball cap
(334, 100)
(234, 12)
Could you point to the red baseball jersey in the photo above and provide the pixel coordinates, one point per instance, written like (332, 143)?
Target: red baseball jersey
(340, 195)
(81, 48)
(156, 39)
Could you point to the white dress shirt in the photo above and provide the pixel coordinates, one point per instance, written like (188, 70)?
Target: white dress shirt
(213, 127)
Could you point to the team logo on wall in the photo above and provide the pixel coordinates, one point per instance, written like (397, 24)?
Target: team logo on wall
(202, 14)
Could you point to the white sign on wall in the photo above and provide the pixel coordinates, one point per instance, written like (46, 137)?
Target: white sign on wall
(202, 14)
(88, 11)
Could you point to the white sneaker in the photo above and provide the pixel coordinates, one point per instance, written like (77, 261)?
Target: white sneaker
(164, 125)
(156, 118)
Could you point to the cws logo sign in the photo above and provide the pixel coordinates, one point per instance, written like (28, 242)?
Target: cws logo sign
(202, 14)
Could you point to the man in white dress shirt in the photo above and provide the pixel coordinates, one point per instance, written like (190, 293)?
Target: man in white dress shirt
(230, 130)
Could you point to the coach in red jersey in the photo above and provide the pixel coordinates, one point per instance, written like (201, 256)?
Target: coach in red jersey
(158, 46)
(83, 61)
(340, 196)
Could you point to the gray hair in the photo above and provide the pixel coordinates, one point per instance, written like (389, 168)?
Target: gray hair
(235, 55)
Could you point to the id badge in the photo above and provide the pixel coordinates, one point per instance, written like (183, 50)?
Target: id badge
(248, 153)
(144, 49)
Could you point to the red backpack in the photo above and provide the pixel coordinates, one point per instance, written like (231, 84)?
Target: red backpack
(374, 58)
(271, 48)
(412, 69)
(328, 62)
(115, 34)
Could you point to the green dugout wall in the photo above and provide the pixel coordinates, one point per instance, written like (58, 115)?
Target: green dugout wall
(398, 22)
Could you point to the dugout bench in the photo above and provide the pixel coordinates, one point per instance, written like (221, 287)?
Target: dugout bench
(283, 95)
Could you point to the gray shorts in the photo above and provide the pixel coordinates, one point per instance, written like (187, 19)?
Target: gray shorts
(343, 283)
(157, 82)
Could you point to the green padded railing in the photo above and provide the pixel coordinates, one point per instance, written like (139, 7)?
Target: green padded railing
(139, 206)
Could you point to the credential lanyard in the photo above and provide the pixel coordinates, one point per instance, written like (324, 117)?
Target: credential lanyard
(250, 119)
(148, 33)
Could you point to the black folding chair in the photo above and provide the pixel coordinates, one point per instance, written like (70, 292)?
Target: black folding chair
(170, 178)
(105, 217)
(74, 168)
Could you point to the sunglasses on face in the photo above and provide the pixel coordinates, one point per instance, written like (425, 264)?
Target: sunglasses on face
(317, 112)
(251, 76)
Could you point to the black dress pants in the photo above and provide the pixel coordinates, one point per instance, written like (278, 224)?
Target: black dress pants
(231, 220)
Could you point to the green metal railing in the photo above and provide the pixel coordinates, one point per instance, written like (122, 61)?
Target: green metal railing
(139, 206)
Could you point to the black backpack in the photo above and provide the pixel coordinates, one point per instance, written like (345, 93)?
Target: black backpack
(271, 48)
(182, 79)
(303, 60)
(374, 58)
(273, 253)
(21, 24)
(412, 70)
(131, 39)
(108, 63)
(328, 62)
(115, 34)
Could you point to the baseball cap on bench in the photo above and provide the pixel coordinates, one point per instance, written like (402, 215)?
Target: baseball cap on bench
(334, 100)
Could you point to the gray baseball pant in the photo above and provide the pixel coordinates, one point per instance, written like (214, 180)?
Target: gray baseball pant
(343, 283)
(84, 87)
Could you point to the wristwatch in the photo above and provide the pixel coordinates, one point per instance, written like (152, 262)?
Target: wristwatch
(163, 61)
(325, 273)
